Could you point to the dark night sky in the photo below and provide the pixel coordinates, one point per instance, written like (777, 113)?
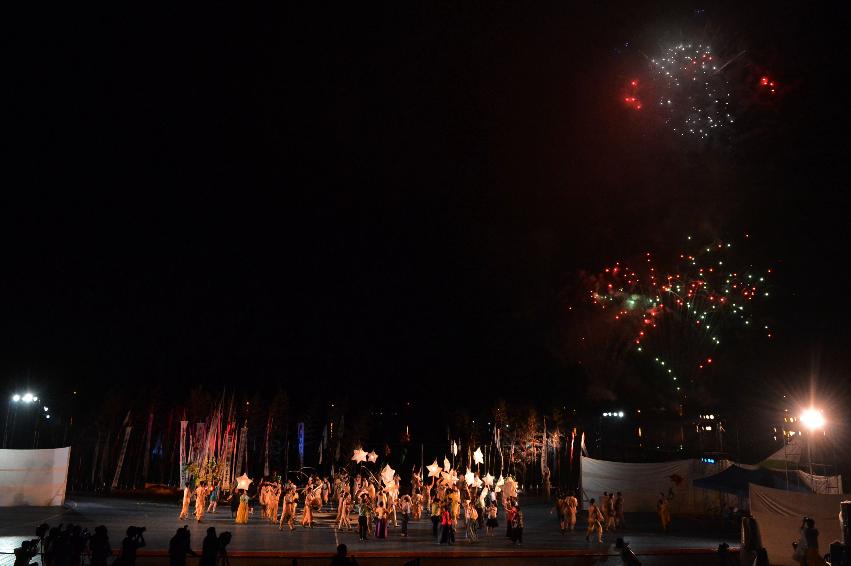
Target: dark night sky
(218, 195)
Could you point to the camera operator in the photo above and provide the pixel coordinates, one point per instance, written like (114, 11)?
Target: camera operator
(78, 544)
(26, 552)
(99, 546)
(179, 547)
(131, 543)
(806, 549)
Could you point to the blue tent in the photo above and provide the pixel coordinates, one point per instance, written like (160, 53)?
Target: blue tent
(735, 480)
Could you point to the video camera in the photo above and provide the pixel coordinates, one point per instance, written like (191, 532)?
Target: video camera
(135, 532)
(27, 551)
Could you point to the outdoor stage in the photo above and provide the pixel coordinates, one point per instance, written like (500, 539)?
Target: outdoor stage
(690, 542)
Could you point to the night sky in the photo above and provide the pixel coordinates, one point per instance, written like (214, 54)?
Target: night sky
(399, 197)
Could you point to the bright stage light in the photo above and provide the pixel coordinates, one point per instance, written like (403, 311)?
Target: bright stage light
(813, 419)
(27, 398)
(16, 398)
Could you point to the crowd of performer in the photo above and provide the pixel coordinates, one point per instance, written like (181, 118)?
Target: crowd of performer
(368, 506)
(364, 504)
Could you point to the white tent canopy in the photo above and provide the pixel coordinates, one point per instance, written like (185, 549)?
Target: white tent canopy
(33, 477)
(641, 483)
(778, 514)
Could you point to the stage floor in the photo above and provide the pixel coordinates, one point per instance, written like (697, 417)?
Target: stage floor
(541, 536)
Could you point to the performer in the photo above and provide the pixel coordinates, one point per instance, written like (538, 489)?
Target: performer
(572, 505)
(274, 500)
(342, 495)
(288, 512)
(326, 491)
(446, 536)
(200, 501)
(242, 512)
(406, 513)
(594, 524)
(492, 523)
(435, 516)
(394, 498)
(455, 498)
(471, 517)
(380, 521)
(363, 513)
(619, 513)
(663, 511)
(234, 502)
(345, 507)
(603, 507)
(561, 510)
(187, 498)
(263, 498)
(417, 507)
(307, 513)
(610, 512)
(517, 525)
(214, 497)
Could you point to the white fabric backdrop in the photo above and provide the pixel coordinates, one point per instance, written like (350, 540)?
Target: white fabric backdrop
(33, 477)
(778, 514)
(828, 485)
(641, 483)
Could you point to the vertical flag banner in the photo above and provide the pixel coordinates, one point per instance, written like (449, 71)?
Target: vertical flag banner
(182, 471)
(300, 445)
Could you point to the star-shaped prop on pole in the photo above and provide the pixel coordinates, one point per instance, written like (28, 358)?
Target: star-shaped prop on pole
(499, 483)
(359, 456)
(451, 478)
(434, 470)
(446, 465)
(454, 448)
(372, 457)
(489, 480)
(510, 487)
(243, 481)
(470, 477)
(478, 457)
(387, 474)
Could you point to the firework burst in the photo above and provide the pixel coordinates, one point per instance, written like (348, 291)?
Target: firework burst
(678, 316)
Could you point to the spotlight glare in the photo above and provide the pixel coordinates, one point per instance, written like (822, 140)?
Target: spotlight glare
(813, 419)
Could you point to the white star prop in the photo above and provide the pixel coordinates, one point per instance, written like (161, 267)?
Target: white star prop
(469, 477)
(372, 456)
(446, 466)
(510, 487)
(489, 480)
(433, 470)
(477, 483)
(387, 474)
(359, 456)
(451, 478)
(243, 481)
(478, 457)
(499, 483)
(454, 448)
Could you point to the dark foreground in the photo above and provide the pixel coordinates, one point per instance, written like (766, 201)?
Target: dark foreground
(690, 542)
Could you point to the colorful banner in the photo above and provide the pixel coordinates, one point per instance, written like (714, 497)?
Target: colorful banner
(182, 469)
(121, 457)
(147, 458)
(300, 445)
